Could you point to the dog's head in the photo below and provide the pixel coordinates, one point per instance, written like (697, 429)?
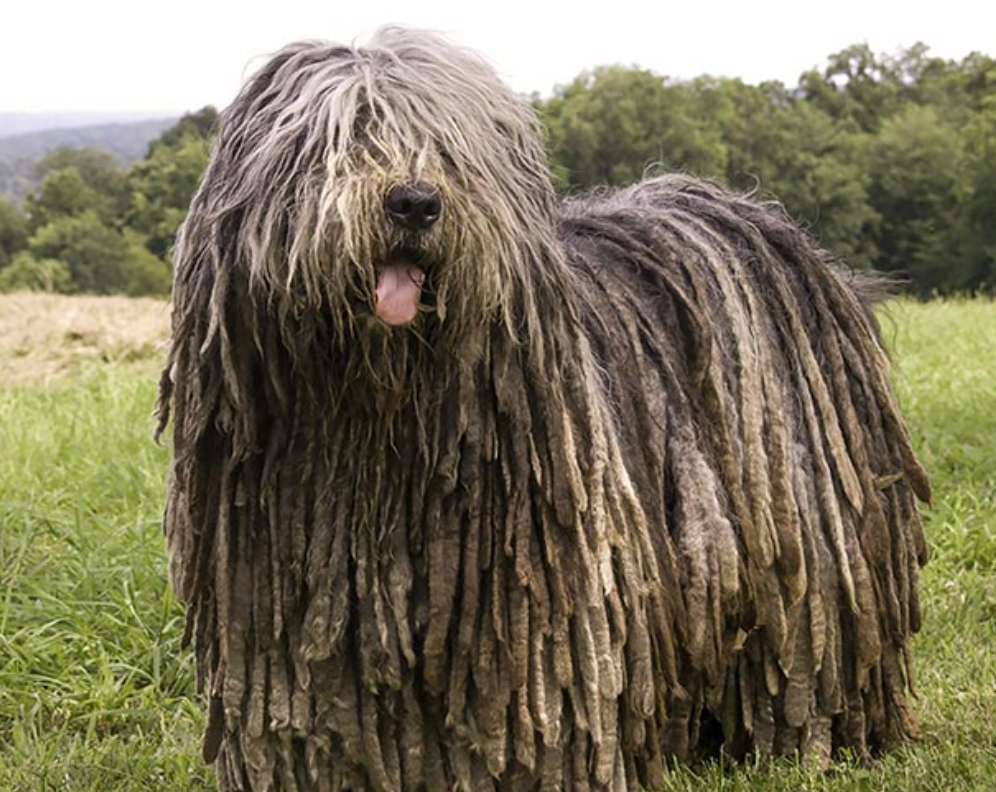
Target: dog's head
(389, 185)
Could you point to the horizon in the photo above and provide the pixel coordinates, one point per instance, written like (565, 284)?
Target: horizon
(98, 112)
(18, 124)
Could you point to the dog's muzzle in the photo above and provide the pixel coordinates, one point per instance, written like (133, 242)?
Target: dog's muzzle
(414, 207)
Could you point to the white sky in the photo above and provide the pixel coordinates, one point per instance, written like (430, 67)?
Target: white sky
(175, 55)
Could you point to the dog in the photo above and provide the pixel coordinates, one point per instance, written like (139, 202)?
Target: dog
(477, 487)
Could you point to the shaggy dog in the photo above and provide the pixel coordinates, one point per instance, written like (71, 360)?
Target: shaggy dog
(474, 488)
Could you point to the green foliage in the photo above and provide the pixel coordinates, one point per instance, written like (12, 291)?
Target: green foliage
(856, 88)
(193, 126)
(793, 151)
(820, 174)
(978, 195)
(160, 188)
(63, 193)
(13, 232)
(127, 142)
(890, 160)
(110, 230)
(26, 273)
(95, 690)
(96, 167)
(96, 254)
(610, 125)
(914, 166)
(147, 273)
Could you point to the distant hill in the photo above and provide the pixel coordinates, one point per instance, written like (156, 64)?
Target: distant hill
(23, 123)
(19, 153)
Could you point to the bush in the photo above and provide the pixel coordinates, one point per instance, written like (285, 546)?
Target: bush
(26, 273)
(97, 256)
(146, 273)
(13, 232)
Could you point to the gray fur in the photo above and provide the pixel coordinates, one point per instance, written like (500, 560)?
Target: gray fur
(633, 483)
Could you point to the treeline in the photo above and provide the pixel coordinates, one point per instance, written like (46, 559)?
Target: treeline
(889, 160)
(21, 152)
(91, 226)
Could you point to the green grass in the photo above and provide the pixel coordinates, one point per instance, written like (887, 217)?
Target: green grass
(95, 693)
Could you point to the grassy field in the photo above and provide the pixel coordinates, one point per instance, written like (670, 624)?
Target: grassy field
(95, 693)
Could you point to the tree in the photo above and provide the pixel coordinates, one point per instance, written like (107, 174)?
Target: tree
(27, 273)
(160, 188)
(62, 193)
(956, 89)
(609, 125)
(856, 87)
(746, 120)
(146, 273)
(915, 165)
(96, 255)
(192, 126)
(113, 230)
(819, 172)
(98, 169)
(795, 152)
(13, 232)
(978, 198)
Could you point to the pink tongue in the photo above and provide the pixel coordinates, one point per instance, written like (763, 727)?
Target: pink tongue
(398, 290)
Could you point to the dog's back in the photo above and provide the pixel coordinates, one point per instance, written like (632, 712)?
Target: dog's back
(751, 394)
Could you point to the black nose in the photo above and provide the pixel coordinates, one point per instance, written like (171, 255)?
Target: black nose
(414, 206)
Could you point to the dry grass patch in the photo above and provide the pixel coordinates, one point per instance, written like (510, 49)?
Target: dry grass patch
(42, 336)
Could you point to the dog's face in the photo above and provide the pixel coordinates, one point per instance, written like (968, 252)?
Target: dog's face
(392, 185)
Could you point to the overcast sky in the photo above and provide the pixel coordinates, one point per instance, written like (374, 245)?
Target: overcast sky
(176, 55)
